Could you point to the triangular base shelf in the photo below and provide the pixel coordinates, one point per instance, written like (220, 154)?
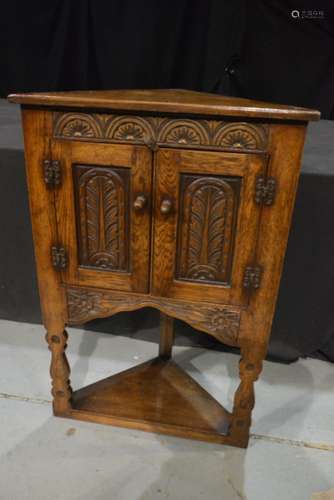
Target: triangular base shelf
(155, 396)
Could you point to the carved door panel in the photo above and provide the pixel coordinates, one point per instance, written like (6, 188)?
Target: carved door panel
(206, 222)
(103, 214)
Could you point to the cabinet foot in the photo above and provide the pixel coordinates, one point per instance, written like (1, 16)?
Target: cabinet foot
(250, 367)
(60, 372)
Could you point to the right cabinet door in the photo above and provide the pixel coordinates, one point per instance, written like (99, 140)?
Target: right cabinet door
(206, 222)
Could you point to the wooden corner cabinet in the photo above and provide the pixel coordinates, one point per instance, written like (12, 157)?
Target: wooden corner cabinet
(170, 199)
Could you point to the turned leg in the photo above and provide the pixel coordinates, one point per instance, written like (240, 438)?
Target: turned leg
(166, 336)
(60, 372)
(250, 367)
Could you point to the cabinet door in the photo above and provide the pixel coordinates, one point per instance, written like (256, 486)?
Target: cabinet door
(205, 225)
(103, 214)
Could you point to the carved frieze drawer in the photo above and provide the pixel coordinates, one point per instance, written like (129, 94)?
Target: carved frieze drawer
(155, 131)
(85, 304)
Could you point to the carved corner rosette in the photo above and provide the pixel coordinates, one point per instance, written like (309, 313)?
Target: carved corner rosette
(225, 323)
(83, 305)
(150, 130)
(220, 322)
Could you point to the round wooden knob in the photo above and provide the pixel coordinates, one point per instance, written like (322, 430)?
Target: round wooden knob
(166, 206)
(140, 202)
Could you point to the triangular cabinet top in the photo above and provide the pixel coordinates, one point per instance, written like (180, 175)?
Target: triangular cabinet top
(166, 101)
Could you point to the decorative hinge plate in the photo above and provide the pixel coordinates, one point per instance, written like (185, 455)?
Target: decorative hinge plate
(52, 172)
(252, 277)
(59, 257)
(265, 190)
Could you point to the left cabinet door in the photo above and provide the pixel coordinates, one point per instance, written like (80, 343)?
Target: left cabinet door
(103, 208)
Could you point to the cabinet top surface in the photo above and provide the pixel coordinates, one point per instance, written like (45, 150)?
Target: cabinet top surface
(166, 101)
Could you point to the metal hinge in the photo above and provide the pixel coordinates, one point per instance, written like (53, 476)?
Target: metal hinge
(265, 190)
(59, 257)
(252, 277)
(52, 172)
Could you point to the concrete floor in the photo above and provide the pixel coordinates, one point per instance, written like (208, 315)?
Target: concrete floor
(291, 453)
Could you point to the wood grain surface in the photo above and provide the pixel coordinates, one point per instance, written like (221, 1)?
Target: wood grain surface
(177, 239)
(134, 210)
(167, 101)
(128, 228)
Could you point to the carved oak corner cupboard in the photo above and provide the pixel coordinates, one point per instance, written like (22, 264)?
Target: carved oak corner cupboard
(169, 199)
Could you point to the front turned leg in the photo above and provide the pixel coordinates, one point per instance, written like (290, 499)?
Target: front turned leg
(166, 336)
(60, 372)
(250, 367)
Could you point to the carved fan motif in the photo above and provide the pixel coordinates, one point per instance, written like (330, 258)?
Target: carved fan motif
(183, 135)
(239, 139)
(240, 135)
(208, 214)
(77, 125)
(151, 130)
(101, 199)
(184, 132)
(129, 128)
(78, 128)
(129, 131)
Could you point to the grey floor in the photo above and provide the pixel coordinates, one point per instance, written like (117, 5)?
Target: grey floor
(291, 452)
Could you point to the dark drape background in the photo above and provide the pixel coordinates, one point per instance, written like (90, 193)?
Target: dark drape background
(251, 49)
(248, 48)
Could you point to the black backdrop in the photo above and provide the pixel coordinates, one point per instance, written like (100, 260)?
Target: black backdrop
(248, 48)
(252, 49)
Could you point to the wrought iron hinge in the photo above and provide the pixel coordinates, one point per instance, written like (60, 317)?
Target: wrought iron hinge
(52, 172)
(252, 277)
(59, 257)
(265, 190)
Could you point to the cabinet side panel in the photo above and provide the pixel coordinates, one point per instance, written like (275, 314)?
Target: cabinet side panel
(286, 145)
(37, 129)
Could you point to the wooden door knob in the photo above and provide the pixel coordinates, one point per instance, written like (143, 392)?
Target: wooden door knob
(166, 206)
(140, 202)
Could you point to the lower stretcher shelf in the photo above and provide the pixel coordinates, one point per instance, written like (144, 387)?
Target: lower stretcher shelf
(155, 396)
